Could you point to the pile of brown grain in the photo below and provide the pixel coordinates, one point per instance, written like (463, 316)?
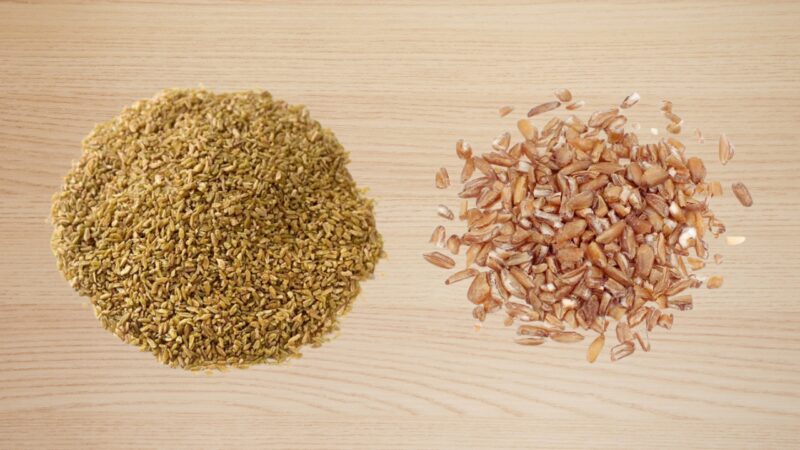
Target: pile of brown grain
(580, 225)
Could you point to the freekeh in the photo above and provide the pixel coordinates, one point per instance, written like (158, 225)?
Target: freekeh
(215, 230)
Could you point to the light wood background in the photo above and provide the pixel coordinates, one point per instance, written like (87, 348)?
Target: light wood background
(399, 83)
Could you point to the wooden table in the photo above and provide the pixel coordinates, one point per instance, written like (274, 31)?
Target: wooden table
(399, 83)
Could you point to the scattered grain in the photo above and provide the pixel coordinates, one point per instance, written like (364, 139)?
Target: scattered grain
(714, 282)
(623, 332)
(673, 118)
(442, 178)
(630, 100)
(440, 260)
(595, 348)
(734, 240)
(665, 321)
(505, 110)
(696, 263)
(576, 105)
(563, 95)
(742, 194)
(566, 337)
(715, 188)
(643, 339)
(529, 340)
(463, 149)
(438, 236)
(586, 225)
(674, 128)
(453, 244)
(726, 149)
(543, 108)
(621, 351)
(444, 212)
(527, 130)
(467, 170)
(697, 169)
(681, 302)
(461, 275)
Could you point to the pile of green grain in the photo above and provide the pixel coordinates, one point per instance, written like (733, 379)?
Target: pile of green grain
(215, 229)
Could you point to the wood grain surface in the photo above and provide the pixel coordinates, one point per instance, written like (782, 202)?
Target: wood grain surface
(399, 83)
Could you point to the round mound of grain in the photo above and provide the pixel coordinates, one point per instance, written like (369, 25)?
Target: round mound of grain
(215, 229)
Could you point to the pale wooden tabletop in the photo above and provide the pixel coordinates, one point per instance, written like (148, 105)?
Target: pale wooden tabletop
(399, 83)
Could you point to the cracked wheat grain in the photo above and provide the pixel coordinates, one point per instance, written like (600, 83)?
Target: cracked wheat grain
(215, 230)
